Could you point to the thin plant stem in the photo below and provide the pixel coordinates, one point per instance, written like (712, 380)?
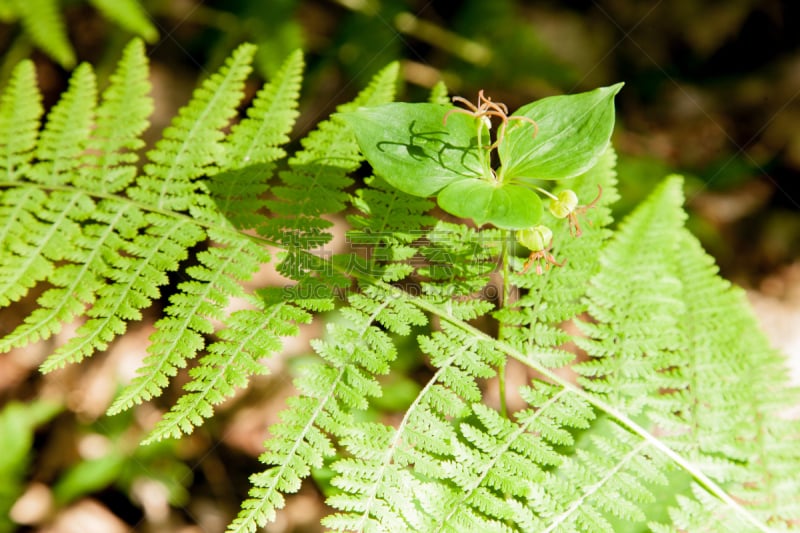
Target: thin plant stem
(504, 301)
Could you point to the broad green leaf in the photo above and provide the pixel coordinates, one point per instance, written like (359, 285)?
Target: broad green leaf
(506, 206)
(574, 131)
(411, 147)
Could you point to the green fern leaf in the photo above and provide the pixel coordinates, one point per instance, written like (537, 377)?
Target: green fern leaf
(201, 302)
(75, 283)
(694, 415)
(460, 261)
(20, 112)
(255, 143)
(42, 21)
(250, 336)
(133, 284)
(190, 315)
(86, 235)
(389, 223)
(376, 485)
(634, 344)
(130, 15)
(353, 352)
(66, 134)
(742, 385)
(194, 140)
(42, 231)
(270, 118)
(648, 356)
(114, 143)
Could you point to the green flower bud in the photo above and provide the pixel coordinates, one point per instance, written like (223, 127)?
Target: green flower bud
(564, 204)
(536, 238)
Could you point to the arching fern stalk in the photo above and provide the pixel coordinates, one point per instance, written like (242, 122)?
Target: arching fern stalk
(676, 420)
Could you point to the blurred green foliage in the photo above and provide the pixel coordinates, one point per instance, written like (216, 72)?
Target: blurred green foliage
(18, 423)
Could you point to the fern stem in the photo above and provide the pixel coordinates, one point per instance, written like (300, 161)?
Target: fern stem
(501, 331)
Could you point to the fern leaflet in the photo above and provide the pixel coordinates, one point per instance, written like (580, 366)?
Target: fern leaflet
(42, 21)
(130, 15)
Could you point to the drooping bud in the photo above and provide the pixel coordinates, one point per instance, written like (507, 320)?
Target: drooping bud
(564, 204)
(536, 238)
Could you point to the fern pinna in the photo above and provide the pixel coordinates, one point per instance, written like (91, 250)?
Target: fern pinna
(671, 420)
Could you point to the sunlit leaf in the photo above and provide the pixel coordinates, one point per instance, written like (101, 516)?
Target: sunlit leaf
(573, 132)
(411, 147)
(506, 206)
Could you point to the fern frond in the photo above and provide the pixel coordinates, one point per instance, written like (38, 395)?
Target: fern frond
(133, 284)
(111, 164)
(516, 472)
(251, 334)
(257, 139)
(354, 351)
(180, 334)
(255, 143)
(649, 357)
(42, 230)
(376, 483)
(700, 511)
(692, 414)
(85, 237)
(634, 345)
(20, 112)
(315, 182)
(130, 15)
(439, 94)
(741, 434)
(460, 261)
(194, 140)
(42, 20)
(66, 134)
